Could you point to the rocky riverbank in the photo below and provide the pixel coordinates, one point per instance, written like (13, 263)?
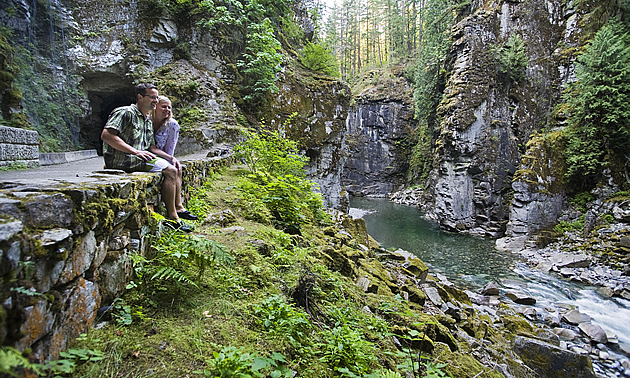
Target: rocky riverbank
(557, 330)
(599, 260)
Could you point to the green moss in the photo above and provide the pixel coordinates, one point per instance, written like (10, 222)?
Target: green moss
(536, 169)
(460, 365)
(517, 325)
(38, 249)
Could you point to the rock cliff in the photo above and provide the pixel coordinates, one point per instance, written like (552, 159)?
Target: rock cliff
(378, 125)
(487, 117)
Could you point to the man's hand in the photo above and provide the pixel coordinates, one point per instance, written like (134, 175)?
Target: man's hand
(145, 155)
(110, 136)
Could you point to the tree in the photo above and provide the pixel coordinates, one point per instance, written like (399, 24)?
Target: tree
(320, 59)
(261, 62)
(597, 103)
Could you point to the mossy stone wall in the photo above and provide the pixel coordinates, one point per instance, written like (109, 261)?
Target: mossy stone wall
(65, 252)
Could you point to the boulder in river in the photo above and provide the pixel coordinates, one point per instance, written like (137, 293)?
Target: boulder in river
(575, 317)
(565, 333)
(491, 288)
(521, 298)
(594, 332)
(570, 260)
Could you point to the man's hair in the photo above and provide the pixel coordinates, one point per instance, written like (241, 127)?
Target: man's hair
(141, 89)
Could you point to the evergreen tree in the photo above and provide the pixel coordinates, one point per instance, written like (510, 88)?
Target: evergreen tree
(437, 18)
(597, 103)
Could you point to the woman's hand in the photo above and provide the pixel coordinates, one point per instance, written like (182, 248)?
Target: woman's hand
(176, 163)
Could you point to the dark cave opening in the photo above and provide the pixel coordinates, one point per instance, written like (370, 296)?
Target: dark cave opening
(102, 102)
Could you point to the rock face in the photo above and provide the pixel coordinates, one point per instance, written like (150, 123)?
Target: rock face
(116, 45)
(487, 118)
(377, 124)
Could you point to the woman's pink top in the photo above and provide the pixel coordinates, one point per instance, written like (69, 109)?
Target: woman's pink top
(166, 136)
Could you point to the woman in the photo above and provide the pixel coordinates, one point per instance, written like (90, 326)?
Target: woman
(166, 133)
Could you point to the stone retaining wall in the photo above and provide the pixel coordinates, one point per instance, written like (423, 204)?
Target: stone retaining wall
(64, 252)
(19, 146)
(65, 157)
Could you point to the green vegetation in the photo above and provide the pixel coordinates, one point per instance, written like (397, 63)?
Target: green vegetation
(511, 58)
(260, 62)
(598, 116)
(580, 200)
(9, 68)
(259, 57)
(421, 156)
(277, 183)
(12, 362)
(563, 226)
(44, 90)
(13, 166)
(318, 58)
(426, 72)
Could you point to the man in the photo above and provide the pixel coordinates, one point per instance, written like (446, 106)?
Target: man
(130, 146)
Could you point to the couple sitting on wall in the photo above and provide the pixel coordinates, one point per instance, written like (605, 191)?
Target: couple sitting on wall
(141, 137)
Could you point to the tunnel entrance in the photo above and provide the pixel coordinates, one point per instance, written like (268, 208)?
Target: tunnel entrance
(104, 99)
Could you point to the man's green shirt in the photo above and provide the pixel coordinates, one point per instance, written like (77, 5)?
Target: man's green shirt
(133, 128)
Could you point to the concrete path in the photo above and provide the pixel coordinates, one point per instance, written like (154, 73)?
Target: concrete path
(73, 172)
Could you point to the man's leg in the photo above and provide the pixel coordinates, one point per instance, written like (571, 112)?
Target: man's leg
(169, 185)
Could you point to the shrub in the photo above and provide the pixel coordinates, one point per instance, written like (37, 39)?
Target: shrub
(260, 62)
(277, 179)
(512, 59)
(347, 351)
(282, 320)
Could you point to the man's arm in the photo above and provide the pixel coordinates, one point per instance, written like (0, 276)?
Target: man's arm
(110, 136)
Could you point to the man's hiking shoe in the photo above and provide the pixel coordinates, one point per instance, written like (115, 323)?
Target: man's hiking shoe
(187, 215)
(177, 225)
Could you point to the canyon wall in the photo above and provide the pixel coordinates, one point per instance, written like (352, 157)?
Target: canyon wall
(488, 117)
(378, 124)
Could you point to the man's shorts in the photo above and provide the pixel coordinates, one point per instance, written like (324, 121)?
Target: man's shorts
(155, 165)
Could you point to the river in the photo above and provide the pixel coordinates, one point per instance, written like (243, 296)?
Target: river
(472, 262)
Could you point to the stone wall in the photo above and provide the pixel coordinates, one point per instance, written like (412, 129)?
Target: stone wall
(19, 146)
(64, 251)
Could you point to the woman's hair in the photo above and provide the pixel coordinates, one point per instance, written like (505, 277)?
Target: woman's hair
(161, 99)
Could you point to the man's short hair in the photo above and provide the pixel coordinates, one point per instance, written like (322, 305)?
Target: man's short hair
(141, 89)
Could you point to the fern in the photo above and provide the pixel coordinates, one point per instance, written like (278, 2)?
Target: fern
(166, 273)
(180, 259)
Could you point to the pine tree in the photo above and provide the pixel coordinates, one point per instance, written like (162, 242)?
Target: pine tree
(598, 104)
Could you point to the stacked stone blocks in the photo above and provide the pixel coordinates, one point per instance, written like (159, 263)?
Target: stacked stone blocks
(19, 146)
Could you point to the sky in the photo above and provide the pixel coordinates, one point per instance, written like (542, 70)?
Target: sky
(329, 5)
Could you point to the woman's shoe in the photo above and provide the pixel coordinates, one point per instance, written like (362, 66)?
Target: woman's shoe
(177, 225)
(187, 215)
